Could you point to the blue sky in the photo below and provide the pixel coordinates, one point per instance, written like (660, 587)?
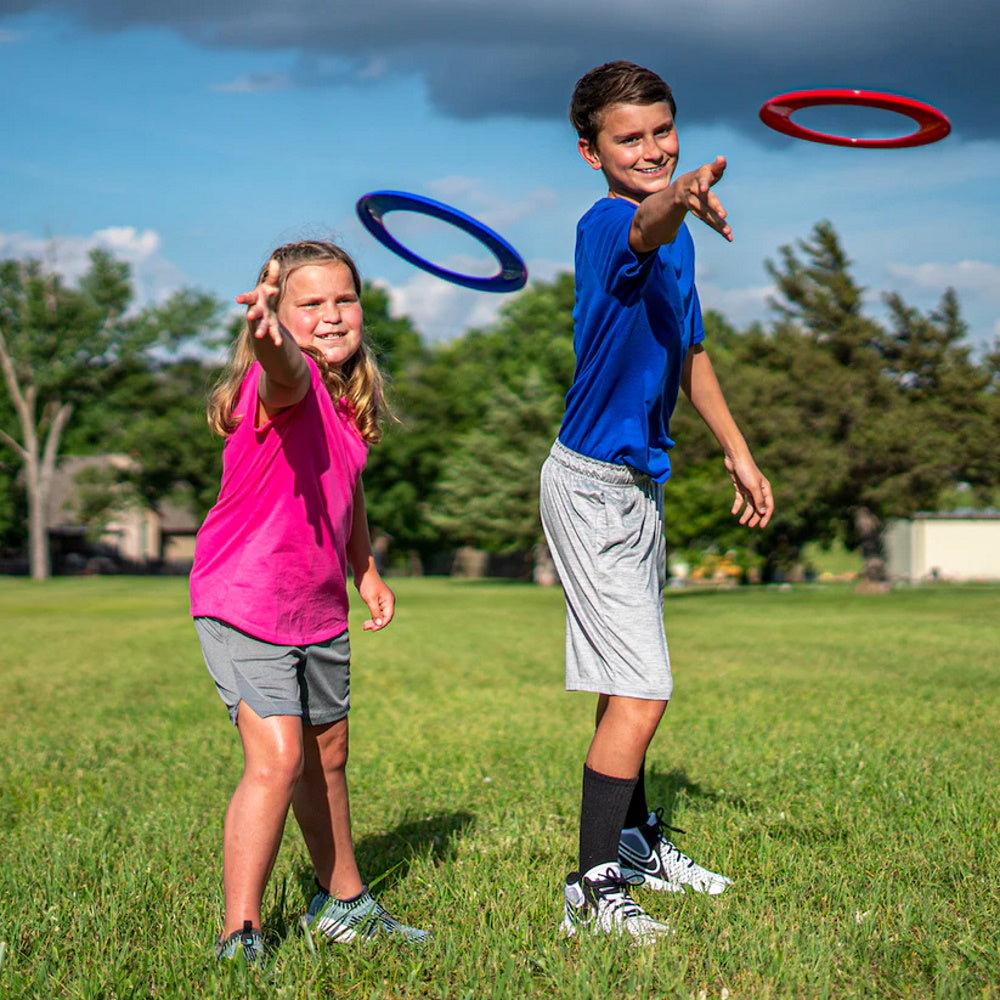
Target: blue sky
(192, 140)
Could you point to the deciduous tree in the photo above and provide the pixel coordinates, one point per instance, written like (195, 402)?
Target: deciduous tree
(64, 349)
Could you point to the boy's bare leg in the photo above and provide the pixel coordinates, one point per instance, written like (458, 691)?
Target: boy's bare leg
(255, 819)
(322, 809)
(625, 728)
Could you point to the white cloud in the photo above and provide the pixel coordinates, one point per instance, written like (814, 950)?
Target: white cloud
(154, 277)
(127, 243)
(472, 196)
(376, 69)
(974, 277)
(253, 83)
(441, 310)
(740, 306)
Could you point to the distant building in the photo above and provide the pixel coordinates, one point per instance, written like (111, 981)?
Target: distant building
(960, 545)
(131, 535)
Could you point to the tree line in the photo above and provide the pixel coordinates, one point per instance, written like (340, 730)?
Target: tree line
(854, 420)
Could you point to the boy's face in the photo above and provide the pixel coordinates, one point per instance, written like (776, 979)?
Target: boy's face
(636, 148)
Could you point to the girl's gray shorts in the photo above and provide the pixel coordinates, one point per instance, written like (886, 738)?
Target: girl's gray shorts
(312, 681)
(604, 527)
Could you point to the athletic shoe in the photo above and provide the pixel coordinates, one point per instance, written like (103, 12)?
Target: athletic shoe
(600, 903)
(648, 858)
(363, 916)
(247, 944)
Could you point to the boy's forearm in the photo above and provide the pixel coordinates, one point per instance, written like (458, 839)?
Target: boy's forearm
(657, 221)
(703, 390)
(658, 218)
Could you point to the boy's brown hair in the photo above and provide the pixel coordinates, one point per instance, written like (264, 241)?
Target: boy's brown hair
(613, 83)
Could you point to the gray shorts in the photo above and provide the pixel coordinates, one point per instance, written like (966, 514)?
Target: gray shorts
(312, 681)
(604, 527)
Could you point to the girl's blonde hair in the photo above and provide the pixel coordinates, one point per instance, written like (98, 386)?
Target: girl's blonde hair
(358, 380)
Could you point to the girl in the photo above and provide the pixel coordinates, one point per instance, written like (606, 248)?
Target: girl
(298, 407)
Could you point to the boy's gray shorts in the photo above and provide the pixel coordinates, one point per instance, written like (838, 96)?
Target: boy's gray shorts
(604, 526)
(312, 681)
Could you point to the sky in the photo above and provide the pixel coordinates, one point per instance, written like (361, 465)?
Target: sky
(191, 138)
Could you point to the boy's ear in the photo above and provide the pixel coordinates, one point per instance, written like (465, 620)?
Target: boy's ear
(589, 154)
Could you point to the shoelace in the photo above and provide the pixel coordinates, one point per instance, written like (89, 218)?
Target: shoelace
(669, 844)
(613, 889)
(661, 825)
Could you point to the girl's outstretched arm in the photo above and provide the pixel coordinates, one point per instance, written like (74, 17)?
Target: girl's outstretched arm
(380, 599)
(752, 489)
(286, 375)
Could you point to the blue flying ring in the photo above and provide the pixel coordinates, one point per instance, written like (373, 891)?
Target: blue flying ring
(512, 274)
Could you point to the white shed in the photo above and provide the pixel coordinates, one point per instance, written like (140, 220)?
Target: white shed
(955, 545)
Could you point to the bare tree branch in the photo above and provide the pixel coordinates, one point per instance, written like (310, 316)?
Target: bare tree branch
(13, 444)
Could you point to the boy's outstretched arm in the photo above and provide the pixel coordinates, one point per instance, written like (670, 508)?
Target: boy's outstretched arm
(659, 216)
(753, 491)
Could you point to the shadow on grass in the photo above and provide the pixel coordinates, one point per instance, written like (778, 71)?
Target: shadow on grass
(384, 860)
(663, 789)
(387, 857)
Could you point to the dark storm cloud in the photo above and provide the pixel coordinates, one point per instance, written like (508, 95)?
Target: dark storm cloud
(723, 57)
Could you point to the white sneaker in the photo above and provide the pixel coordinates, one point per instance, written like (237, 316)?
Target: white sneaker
(648, 858)
(363, 917)
(599, 902)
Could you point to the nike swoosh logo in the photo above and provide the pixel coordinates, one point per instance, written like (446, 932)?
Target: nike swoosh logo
(647, 864)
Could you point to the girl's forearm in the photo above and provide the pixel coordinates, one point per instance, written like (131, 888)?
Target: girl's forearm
(359, 545)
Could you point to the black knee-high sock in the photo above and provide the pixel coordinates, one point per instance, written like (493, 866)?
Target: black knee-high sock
(638, 810)
(602, 816)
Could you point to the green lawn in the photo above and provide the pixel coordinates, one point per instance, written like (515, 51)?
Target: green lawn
(836, 754)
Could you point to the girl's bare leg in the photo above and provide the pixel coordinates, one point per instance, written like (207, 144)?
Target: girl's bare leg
(255, 819)
(322, 808)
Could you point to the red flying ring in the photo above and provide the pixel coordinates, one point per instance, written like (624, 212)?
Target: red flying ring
(933, 125)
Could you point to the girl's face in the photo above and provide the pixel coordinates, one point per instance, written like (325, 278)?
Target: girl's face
(320, 308)
(637, 149)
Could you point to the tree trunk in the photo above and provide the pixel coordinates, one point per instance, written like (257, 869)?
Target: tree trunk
(543, 568)
(38, 528)
(39, 469)
(868, 527)
(38, 506)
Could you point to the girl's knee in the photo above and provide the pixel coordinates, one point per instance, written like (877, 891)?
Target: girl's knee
(282, 768)
(329, 753)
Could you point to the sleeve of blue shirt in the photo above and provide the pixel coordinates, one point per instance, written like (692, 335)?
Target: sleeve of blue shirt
(635, 319)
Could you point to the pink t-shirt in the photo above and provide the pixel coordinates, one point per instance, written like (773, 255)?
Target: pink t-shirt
(271, 556)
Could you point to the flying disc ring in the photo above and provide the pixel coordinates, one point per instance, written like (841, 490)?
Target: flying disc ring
(512, 274)
(932, 124)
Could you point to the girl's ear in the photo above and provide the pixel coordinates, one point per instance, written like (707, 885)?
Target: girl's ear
(589, 153)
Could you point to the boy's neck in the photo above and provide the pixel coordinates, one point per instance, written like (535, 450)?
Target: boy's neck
(624, 197)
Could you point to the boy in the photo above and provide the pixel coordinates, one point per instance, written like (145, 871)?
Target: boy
(637, 336)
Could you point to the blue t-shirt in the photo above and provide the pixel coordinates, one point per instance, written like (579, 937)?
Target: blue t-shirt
(635, 319)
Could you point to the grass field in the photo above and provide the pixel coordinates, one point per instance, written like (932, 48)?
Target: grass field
(836, 754)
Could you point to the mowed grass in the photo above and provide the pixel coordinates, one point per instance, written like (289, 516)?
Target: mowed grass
(836, 754)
